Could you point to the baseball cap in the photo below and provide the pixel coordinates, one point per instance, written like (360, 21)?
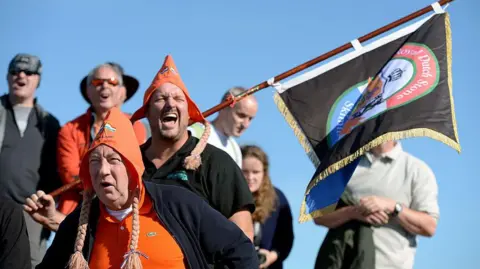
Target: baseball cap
(25, 62)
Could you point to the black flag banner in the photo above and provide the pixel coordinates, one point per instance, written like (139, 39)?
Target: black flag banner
(397, 87)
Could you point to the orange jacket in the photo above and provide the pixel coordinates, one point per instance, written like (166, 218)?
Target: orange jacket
(74, 140)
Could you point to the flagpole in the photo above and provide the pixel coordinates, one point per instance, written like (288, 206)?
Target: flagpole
(293, 71)
(323, 57)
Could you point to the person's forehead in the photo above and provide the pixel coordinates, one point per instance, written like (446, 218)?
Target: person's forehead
(247, 103)
(169, 89)
(103, 150)
(105, 72)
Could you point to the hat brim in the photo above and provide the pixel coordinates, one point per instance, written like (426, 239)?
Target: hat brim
(131, 84)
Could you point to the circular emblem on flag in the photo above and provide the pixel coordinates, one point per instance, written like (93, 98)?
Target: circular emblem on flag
(412, 73)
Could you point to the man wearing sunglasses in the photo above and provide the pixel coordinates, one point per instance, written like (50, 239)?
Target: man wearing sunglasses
(28, 135)
(105, 86)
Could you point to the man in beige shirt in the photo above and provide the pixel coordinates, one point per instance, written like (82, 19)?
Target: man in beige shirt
(396, 194)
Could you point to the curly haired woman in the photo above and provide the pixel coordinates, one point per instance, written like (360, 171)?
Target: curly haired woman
(272, 217)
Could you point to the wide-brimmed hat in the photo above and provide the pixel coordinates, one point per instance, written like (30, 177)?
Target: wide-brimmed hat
(130, 82)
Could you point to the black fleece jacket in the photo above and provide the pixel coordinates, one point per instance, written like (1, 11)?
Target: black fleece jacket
(205, 236)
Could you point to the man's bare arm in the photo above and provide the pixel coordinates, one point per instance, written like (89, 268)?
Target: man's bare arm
(337, 217)
(243, 219)
(417, 222)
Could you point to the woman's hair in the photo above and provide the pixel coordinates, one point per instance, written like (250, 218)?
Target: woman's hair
(265, 197)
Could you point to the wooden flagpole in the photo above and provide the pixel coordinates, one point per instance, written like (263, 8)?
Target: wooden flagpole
(299, 68)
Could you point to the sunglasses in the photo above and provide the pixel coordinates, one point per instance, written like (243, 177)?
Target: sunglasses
(27, 72)
(99, 81)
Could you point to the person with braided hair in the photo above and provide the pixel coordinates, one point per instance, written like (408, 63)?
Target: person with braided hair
(126, 223)
(173, 156)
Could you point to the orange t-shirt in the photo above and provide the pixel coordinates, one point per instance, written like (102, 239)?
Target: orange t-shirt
(113, 238)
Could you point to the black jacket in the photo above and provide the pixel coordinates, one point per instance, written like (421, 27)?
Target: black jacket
(14, 244)
(204, 235)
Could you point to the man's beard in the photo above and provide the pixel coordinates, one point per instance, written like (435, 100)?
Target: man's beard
(168, 135)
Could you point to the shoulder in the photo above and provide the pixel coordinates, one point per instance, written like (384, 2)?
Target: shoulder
(196, 129)
(282, 199)
(174, 197)
(49, 119)
(418, 167)
(213, 155)
(46, 114)
(81, 119)
(3, 100)
(76, 123)
(281, 196)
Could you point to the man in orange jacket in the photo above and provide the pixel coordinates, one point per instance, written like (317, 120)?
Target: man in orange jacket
(106, 86)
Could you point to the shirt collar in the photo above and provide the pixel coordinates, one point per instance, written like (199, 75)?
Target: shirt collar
(388, 156)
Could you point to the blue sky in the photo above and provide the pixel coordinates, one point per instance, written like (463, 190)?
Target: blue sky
(219, 44)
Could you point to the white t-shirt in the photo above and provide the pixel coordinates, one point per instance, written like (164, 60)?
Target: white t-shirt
(219, 140)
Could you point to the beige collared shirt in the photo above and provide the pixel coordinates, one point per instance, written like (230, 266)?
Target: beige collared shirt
(405, 179)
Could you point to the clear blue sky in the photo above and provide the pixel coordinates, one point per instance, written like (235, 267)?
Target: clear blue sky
(219, 44)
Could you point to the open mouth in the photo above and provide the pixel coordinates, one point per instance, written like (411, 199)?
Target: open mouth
(104, 96)
(169, 118)
(106, 184)
(20, 83)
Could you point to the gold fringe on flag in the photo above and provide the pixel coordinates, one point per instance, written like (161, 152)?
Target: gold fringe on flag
(391, 136)
(296, 129)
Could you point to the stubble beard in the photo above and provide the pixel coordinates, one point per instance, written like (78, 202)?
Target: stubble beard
(172, 135)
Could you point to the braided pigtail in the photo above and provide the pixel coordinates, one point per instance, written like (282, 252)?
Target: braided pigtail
(132, 257)
(194, 161)
(77, 260)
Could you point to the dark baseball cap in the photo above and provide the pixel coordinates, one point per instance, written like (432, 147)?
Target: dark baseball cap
(25, 62)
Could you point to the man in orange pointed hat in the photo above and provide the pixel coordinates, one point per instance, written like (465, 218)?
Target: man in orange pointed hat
(173, 156)
(127, 223)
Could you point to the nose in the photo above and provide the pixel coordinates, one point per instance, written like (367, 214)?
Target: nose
(246, 123)
(103, 168)
(21, 74)
(170, 103)
(105, 84)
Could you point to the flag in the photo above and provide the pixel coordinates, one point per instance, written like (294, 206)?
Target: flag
(396, 87)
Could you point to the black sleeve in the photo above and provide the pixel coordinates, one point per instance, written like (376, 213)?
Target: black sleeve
(283, 237)
(49, 176)
(223, 243)
(58, 254)
(230, 192)
(14, 243)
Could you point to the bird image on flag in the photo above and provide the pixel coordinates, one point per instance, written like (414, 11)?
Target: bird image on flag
(396, 87)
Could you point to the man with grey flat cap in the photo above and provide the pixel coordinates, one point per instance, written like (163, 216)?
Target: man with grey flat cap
(28, 135)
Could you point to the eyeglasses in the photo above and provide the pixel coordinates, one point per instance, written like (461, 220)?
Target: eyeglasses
(99, 81)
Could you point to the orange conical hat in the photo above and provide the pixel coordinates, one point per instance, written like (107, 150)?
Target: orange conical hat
(117, 132)
(169, 73)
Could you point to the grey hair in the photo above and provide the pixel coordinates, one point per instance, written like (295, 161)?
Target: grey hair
(233, 91)
(118, 71)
